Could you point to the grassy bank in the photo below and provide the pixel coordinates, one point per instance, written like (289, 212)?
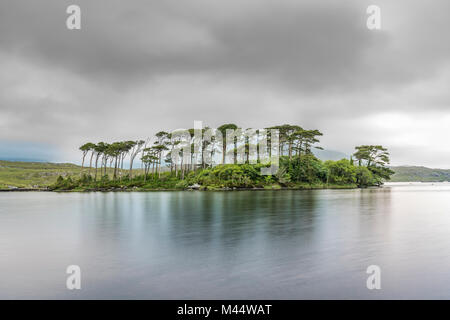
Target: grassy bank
(36, 175)
(33, 175)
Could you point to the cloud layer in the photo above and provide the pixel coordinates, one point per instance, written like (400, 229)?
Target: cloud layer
(137, 67)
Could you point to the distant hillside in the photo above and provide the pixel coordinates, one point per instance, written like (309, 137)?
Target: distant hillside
(33, 174)
(329, 155)
(37, 174)
(422, 174)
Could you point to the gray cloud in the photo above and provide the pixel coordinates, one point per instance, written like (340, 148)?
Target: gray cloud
(307, 46)
(140, 66)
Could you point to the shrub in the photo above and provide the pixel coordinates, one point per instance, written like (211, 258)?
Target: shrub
(364, 177)
(341, 172)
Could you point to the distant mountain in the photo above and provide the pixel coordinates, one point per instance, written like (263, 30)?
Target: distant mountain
(16, 159)
(330, 155)
(26, 151)
(419, 174)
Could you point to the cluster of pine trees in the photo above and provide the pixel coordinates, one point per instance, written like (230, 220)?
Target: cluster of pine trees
(230, 162)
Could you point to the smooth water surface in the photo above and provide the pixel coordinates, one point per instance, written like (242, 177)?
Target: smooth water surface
(228, 245)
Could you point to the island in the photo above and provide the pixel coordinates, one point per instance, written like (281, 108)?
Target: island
(163, 166)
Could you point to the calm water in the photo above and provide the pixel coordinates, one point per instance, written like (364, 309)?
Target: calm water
(248, 244)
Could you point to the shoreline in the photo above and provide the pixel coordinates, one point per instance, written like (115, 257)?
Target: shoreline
(25, 190)
(312, 187)
(189, 190)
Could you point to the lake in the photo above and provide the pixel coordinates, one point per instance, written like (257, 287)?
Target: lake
(228, 245)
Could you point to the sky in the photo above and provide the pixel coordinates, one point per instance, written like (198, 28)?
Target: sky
(137, 67)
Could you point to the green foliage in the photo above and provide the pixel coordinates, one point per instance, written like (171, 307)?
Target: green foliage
(64, 184)
(282, 176)
(306, 168)
(364, 177)
(341, 171)
(182, 184)
(85, 179)
(380, 174)
(372, 156)
(376, 160)
(230, 176)
(299, 172)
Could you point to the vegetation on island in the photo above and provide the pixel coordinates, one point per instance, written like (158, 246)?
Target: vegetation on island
(230, 166)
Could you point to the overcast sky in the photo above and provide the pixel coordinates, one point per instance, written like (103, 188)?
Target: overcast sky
(137, 67)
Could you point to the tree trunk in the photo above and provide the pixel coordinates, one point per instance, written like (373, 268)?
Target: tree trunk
(90, 163)
(96, 166)
(235, 151)
(290, 150)
(82, 163)
(115, 168)
(258, 160)
(159, 166)
(224, 151)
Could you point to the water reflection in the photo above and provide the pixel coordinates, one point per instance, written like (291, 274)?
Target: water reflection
(246, 244)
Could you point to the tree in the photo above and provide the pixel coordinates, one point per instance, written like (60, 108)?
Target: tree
(376, 159)
(124, 148)
(85, 148)
(135, 148)
(291, 135)
(93, 152)
(161, 146)
(287, 135)
(99, 149)
(114, 151)
(159, 149)
(306, 140)
(148, 159)
(105, 157)
(373, 155)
